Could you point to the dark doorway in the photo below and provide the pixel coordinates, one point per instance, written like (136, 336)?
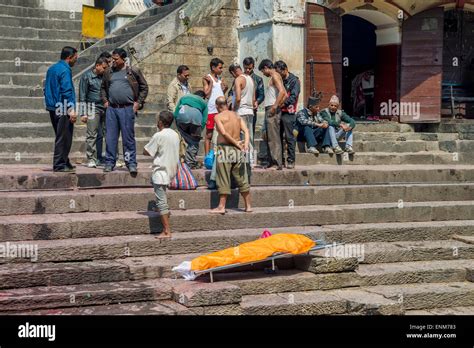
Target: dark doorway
(359, 51)
(458, 64)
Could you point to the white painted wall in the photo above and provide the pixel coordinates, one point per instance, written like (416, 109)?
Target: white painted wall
(288, 45)
(66, 5)
(260, 10)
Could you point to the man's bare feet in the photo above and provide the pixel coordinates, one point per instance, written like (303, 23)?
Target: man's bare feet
(218, 210)
(164, 235)
(248, 210)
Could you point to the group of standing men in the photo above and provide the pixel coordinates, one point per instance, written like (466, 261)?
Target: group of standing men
(110, 95)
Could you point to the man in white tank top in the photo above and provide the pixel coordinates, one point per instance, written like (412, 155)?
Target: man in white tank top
(214, 87)
(275, 95)
(244, 100)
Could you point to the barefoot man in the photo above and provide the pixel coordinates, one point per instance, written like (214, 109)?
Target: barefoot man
(231, 156)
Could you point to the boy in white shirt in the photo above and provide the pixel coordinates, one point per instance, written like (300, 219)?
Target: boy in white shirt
(164, 148)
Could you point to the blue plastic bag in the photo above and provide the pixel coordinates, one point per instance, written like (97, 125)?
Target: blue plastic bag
(209, 160)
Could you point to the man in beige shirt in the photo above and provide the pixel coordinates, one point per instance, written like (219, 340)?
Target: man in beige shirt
(178, 88)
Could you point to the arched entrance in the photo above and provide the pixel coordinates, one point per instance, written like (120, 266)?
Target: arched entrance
(458, 63)
(370, 46)
(354, 56)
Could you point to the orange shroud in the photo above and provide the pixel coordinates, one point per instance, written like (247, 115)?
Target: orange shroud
(254, 251)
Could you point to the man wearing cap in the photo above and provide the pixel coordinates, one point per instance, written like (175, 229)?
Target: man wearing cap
(339, 124)
(311, 127)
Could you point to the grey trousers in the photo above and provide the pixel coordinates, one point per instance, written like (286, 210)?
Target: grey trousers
(161, 198)
(273, 136)
(95, 124)
(248, 119)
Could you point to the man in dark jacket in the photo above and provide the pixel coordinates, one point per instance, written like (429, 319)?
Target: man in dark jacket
(124, 90)
(60, 99)
(89, 95)
(339, 124)
(312, 127)
(288, 111)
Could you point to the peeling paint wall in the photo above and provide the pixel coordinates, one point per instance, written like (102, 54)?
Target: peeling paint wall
(257, 43)
(289, 47)
(274, 30)
(289, 11)
(260, 10)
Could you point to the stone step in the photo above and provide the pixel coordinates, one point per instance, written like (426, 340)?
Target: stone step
(135, 308)
(83, 295)
(44, 23)
(17, 91)
(44, 133)
(336, 275)
(28, 12)
(386, 252)
(427, 296)
(468, 310)
(33, 56)
(433, 271)
(424, 238)
(35, 44)
(27, 151)
(25, 3)
(24, 67)
(87, 225)
(142, 199)
(320, 303)
(413, 299)
(33, 79)
(23, 102)
(457, 145)
(41, 177)
(34, 33)
(385, 299)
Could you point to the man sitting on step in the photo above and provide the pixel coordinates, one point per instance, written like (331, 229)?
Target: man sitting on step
(311, 127)
(339, 124)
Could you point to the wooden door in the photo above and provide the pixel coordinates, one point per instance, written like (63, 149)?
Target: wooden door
(324, 46)
(422, 67)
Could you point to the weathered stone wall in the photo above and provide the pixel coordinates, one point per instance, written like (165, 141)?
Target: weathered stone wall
(190, 49)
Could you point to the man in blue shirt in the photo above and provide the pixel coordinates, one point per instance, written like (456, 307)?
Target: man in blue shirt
(60, 99)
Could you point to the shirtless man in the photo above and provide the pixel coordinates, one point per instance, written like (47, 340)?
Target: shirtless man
(275, 96)
(231, 156)
(214, 87)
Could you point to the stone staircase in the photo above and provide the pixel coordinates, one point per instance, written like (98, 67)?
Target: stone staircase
(31, 41)
(406, 197)
(98, 252)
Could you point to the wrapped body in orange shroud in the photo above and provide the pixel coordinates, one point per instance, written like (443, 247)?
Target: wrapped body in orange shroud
(254, 251)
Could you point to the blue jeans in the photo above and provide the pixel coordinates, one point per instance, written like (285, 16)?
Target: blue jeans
(120, 120)
(313, 134)
(337, 134)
